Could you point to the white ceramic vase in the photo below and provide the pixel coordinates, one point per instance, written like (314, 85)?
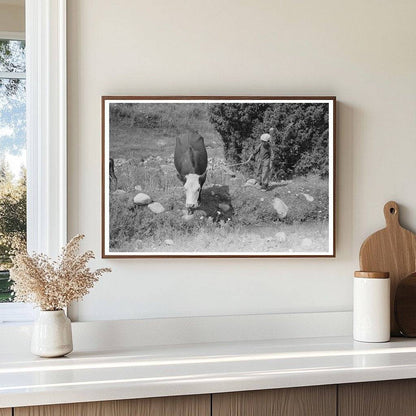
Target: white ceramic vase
(52, 334)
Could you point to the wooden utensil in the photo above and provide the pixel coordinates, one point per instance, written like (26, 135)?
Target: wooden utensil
(405, 306)
(393, 250)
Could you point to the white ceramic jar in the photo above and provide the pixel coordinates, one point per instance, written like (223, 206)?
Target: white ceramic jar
(371, 305)
(52, 334)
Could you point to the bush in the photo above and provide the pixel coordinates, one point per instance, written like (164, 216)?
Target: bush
(236, 123)
(300, 140)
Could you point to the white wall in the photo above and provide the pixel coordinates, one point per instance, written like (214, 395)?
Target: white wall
(361, 51)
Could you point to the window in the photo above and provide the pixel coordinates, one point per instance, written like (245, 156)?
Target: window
(12, 153)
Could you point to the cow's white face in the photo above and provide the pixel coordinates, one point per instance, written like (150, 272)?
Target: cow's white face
(192, 190)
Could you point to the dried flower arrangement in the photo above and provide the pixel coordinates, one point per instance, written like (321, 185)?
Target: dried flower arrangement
(53, 285)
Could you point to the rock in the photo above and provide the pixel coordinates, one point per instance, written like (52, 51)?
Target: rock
(156, 207)
(199, 213)
(119, 192)
(138, 188)
(169, 242)
(224, 207)
(262, 199)
(142, 199)
(187, 217)
(308, 197)
(281, 237)
(307, 243)
(280, 207)
(251, 182)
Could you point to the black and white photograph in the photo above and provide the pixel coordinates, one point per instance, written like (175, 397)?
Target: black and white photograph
(218, 176)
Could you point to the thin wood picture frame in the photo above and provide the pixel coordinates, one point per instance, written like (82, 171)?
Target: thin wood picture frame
(142, 137)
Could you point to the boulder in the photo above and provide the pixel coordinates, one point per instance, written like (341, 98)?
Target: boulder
(142, 199)
(169, 242)
(119, 192)
(187, 217)
(308, 197)
(307, 243)
(138, 188)
(281, 237)
(224, 207)
(280, 207)
(156, 207)
(251, 182)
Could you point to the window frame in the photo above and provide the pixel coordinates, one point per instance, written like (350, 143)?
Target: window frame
(46, 135)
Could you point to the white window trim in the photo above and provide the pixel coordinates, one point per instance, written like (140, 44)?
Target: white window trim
(46, 134)
(46, 124)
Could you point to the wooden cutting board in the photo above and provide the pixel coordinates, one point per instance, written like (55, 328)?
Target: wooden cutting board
(393, 250)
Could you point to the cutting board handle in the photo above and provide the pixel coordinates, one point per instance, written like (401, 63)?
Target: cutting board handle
(391, 214)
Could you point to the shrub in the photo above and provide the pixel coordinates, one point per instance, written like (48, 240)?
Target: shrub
(235, 123)
(300, 140)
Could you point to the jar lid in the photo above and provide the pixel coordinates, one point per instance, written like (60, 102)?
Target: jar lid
(372, 275)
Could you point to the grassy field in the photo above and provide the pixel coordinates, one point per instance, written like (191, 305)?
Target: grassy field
(233, 217)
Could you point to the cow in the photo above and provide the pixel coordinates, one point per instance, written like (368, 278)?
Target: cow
(191, 161)
(113, 177)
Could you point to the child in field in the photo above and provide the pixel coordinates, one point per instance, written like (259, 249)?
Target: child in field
(264, 160)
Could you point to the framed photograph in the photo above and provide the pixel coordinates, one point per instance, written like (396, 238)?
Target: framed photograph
(218, 176)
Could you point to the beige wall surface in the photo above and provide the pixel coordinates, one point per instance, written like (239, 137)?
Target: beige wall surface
(12, 18)
(363, 52)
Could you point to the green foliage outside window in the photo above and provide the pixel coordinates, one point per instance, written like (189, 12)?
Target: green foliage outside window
(12, 223)
(12, 145)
